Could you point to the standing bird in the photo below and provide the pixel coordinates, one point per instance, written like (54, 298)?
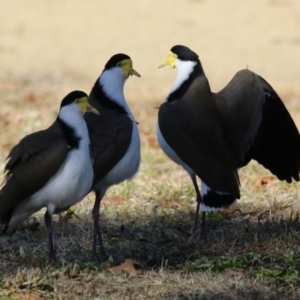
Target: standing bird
(114, 135)
(50, 168)
(212, 135)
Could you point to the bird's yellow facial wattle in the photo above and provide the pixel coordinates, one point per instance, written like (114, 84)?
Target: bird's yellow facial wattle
(169, 61)
(127, 68)
(86, 106)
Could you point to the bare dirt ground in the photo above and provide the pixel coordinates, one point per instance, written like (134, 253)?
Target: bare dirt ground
(49, 48)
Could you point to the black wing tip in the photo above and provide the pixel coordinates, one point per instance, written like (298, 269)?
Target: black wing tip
(279, 149)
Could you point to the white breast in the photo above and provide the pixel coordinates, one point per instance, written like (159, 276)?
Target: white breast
(69, 185)
(72, 181)
(127, 167)
(170, 152)
(185, 68)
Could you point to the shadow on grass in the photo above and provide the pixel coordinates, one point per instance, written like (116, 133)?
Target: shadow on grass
(263, 249)
(163, 240)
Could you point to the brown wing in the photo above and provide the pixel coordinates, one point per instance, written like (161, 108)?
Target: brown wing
(110, 136)
(198, 140)
(240, 107)
(278, 145)
(31, 163)
(259, 127)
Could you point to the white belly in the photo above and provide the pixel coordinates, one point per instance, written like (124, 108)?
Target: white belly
(170, 152)
(67, 187)
(70, 184)
(127, 167)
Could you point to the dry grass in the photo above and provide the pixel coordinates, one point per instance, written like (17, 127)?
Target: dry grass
(49, 48)
(252, 251)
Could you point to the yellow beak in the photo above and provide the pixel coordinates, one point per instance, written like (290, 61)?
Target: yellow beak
(92, 109)
(86, 106)
(134, 72)
(169, 61)
(128, 69)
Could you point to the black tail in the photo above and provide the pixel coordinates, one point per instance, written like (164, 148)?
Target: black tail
(212, 200)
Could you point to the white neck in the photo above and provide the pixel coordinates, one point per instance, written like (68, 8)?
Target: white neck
(72, 116)
(185, 68)
(112, 82)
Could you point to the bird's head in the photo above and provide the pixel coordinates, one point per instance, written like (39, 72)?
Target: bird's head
(81, 99)
(120, 65)
(180, 55)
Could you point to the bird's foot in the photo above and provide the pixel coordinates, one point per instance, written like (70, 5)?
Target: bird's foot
(203, 236)
(52, 256)
(195, 235)
(101, 257)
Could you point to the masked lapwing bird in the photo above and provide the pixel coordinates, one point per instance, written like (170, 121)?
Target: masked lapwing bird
(114, 135)
(212, 135)
(51, 168)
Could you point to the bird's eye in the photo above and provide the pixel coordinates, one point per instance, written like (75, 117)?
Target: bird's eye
(76, 101)
(119, 65)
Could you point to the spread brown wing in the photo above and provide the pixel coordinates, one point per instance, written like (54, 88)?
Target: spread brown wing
(110, 136)
(198, 141)
(278, 146)
(258, 126)
(240, 105)
(31, 163)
